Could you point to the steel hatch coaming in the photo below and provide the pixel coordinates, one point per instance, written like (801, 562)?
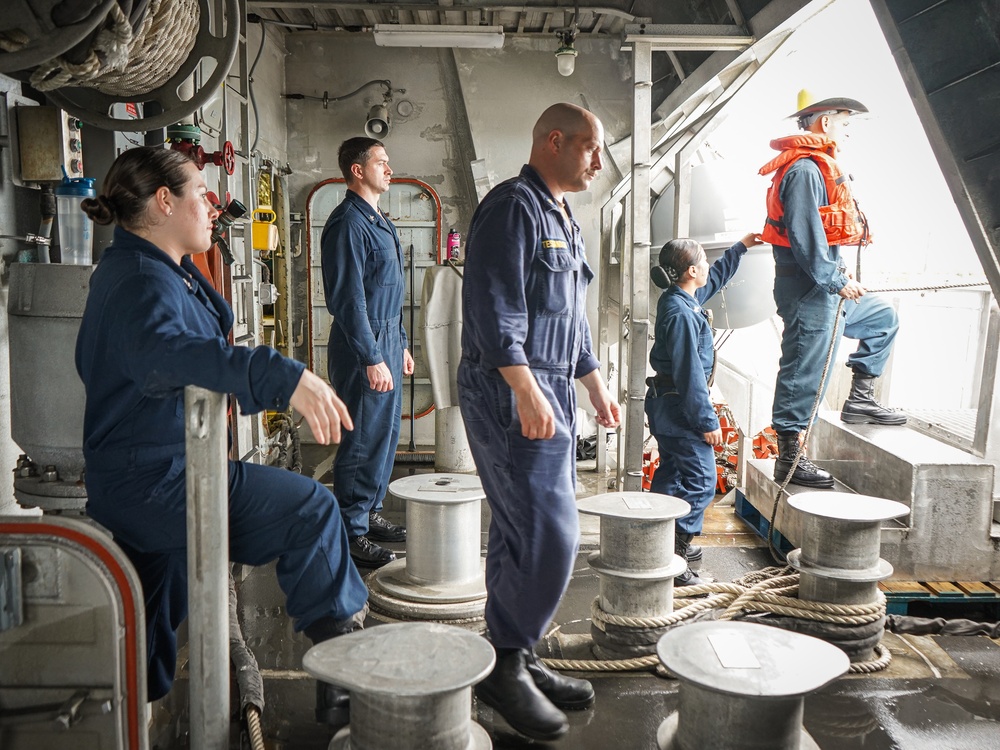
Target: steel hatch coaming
(83, 634)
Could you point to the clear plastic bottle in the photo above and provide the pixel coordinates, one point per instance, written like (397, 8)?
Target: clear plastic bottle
(76, 229)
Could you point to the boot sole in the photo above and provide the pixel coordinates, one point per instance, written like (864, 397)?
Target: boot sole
(814, 485)
(575, 706)
(385, 537)
(861, 419)
(365, 563)
(533, 734)
(824, 485)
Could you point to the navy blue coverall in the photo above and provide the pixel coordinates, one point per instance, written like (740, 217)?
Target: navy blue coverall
(363, 282)
(524, 303)
(680, 410)
(808, 275)
(150, 328)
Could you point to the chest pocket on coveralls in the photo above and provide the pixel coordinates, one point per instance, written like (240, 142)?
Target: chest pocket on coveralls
(385, 267)
(556, 269)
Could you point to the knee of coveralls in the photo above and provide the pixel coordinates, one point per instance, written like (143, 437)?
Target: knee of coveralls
(809, 315)
(365, 457)
(534, 532)
(277, 514)
(873, 322)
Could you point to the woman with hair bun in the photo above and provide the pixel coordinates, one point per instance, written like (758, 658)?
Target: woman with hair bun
(152, 325)
(678, 404)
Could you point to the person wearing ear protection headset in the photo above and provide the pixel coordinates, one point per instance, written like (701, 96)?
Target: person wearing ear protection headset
(678, 404)
(811, 212)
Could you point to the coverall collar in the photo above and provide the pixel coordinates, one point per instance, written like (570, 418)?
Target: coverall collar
(138, 244)
(688, 299)
(373, 214)
(529, 173)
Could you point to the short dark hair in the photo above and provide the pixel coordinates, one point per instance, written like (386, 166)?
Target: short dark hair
(134, 177)
(355, 151)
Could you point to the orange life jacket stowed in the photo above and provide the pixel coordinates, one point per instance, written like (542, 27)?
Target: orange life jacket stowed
(843, 221)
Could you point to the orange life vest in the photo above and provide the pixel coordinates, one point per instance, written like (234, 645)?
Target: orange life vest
(843, 221)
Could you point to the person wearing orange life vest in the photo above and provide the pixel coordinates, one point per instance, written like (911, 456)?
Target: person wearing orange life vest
(811, 213)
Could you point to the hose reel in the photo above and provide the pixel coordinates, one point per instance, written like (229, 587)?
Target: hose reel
(93, 106)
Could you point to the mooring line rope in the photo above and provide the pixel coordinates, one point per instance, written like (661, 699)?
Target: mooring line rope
(750, 595)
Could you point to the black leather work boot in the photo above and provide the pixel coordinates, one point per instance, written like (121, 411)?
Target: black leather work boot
(333, 704)
(564, 692)
(807, 474)
(381, 529)
(682, 543)
(510, 690)
(861, 407)
(366, 553)
(693, 554)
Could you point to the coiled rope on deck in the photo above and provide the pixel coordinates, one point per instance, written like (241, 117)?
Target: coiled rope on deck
(768, 591)
(123, 62)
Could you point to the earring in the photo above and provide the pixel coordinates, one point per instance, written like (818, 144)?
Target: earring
(170, 213)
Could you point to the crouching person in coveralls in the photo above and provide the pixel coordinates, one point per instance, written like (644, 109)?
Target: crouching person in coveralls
(525, 341)
(811, 212)
(152, 325)
(678, 404)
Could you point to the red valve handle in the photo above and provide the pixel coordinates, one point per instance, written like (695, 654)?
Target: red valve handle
(226, 158)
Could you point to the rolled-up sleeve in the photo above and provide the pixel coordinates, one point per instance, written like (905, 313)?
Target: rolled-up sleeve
(496, 310)
(802, 192)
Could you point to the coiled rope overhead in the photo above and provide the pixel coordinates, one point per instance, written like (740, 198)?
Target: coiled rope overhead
(123, 62)
(147, 63)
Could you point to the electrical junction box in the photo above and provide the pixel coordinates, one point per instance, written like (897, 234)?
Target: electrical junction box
(49, 140)
(268, 294)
